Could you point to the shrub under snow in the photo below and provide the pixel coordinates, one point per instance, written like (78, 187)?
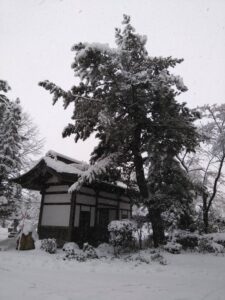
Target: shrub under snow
(121, 233)
(207, 243)
(73, 252)
(49, 245)
(186, 239)
(104, 250)
(157, 256)
(70, 246)
(209, 246)
(173, 247)
(89, 251)
(218, 237)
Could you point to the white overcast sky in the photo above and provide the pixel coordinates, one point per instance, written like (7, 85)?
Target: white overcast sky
(36, 38)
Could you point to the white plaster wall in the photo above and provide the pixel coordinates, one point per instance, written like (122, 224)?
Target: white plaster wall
(85, 199)
(57, 198)
(58, 188)
(55, 215)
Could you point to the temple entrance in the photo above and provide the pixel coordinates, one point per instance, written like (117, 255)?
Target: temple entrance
(85, 217)
(103, 222)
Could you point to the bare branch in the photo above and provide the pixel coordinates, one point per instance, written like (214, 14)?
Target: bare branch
(215, 183)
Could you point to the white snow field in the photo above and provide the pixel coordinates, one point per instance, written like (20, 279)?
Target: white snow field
(37, 275)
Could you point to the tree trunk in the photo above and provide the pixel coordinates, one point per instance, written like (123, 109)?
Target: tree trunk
(140, 238)
(138, 163)
(156, 219)
(205, 213)
(157, 227)
(206, 221)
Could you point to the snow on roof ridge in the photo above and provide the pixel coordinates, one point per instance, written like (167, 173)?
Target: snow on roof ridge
(53, 154)
(61, 167)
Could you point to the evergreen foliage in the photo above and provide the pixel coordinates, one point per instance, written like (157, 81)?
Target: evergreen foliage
(10, 141)
(127, 98)
(49, 245)
(121, 234)
(19, 143)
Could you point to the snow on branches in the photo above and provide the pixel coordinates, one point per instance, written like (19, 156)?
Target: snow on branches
(93, 172)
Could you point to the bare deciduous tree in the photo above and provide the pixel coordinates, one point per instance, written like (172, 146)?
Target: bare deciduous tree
(205, 166)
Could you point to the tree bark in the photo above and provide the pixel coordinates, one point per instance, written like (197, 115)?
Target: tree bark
(157, 227)
(156, 219)
(138, 163)
(205, 213)
(206, 221)
(155, 214)
(207, 204)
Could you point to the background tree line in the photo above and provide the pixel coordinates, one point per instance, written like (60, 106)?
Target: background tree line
(19, 145)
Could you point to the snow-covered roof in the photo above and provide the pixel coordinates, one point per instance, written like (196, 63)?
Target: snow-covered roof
(52, 163)
(61, 165)
(64, 164)
(58, 156)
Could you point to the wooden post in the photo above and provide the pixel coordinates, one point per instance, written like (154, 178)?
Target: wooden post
(118, 207)
(41, 208)
(72, 216)
(130, 207)
(96, 207)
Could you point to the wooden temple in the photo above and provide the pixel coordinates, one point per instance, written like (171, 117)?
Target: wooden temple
(80, 216)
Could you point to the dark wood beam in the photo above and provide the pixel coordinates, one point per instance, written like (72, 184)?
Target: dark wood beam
(72, 216)
(41, 208)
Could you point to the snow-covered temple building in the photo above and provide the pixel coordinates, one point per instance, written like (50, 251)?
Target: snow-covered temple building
(82, 215)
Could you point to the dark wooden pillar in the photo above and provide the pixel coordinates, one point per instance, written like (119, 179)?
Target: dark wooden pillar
(131, 205)
(96, 207)
(118, 207)
(41, 208)
(72, 216)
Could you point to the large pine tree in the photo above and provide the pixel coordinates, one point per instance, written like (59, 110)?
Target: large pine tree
(127, 98)
(10, 141)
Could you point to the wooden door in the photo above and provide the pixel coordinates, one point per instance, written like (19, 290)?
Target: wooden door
(103, 223)
(84, 227)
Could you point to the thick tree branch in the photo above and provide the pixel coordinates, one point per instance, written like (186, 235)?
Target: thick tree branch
(216, 182)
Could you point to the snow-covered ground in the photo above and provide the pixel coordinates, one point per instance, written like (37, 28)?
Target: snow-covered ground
(37, 275)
